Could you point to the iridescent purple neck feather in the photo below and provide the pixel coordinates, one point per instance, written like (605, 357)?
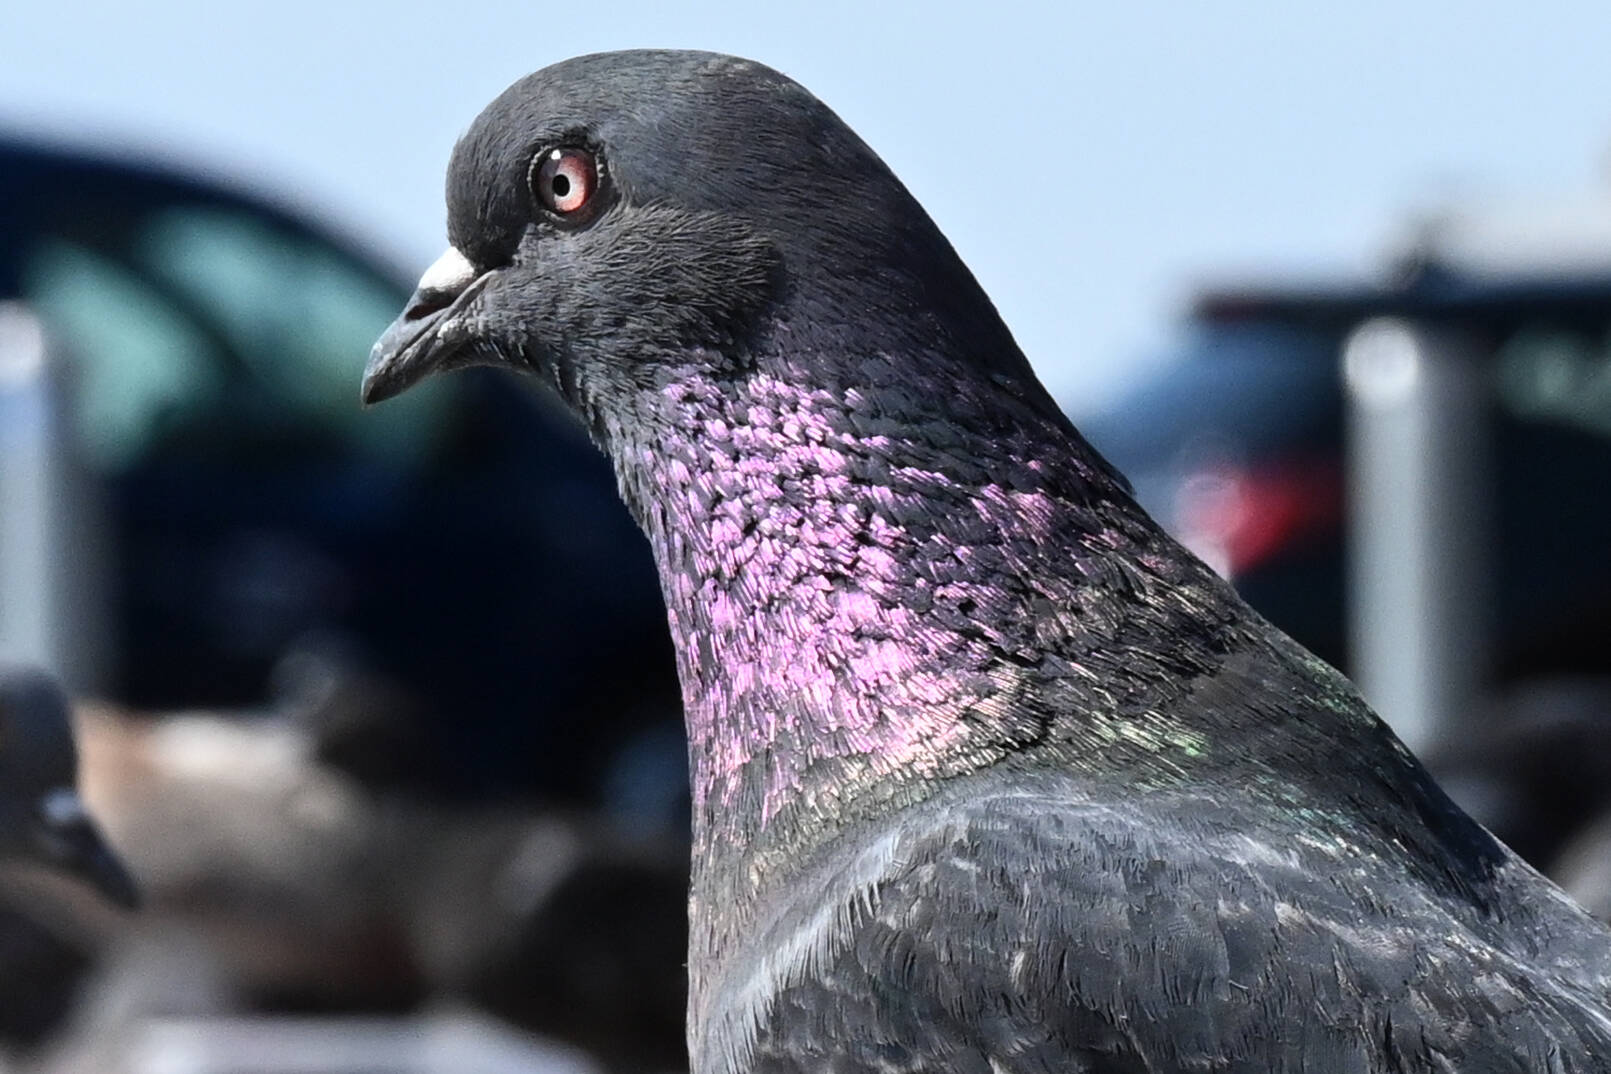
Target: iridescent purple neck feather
(882, 572)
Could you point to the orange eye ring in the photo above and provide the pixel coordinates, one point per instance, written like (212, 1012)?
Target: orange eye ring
(565, 179)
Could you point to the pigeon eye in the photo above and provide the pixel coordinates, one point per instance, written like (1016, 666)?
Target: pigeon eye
(564, 179)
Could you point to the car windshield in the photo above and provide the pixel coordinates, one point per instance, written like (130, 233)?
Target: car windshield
(201, 316)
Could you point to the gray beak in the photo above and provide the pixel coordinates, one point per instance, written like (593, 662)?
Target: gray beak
(71, 841)
(430, 332)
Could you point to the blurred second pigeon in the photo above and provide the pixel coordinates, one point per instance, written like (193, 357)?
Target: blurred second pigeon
(42, 818)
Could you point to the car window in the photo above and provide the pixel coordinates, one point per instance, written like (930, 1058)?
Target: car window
(138, 364)
(220, 318)
(300, 314)
(1557, 375)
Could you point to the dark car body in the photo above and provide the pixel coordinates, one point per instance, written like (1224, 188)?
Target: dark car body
(1241, 447)
(465, 544)
(1256, 397)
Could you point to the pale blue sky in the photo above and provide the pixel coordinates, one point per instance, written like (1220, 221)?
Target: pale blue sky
(1092, 163)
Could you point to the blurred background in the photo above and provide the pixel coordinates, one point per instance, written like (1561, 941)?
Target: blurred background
(379, 706)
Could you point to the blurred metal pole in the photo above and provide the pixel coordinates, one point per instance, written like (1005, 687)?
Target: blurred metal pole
(24, 536)
(1419, 534)
(53, 606)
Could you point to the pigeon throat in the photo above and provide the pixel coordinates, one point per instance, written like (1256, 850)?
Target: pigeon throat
(872, 589)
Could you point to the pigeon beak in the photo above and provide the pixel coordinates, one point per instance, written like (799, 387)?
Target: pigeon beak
(422, 341)
(71, 841)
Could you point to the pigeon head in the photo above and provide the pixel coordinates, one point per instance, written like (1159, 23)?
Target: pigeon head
(618, 218)
(868, 515)
(42, 817)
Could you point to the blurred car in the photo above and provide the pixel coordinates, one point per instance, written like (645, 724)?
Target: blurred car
(1235, 446)
(465, 543)
(1239, 446)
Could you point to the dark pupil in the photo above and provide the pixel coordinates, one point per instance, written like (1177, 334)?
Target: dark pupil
(561, 185)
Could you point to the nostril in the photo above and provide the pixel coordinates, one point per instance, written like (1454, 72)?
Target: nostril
(424, 304)
(448, 277)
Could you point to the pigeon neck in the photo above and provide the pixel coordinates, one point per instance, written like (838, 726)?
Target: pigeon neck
(859, 574)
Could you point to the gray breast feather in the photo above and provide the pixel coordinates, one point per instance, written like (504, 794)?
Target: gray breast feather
(802, 940)
(1027, 932)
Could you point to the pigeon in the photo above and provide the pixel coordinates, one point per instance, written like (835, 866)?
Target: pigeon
(988, 773)
(43, 820)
